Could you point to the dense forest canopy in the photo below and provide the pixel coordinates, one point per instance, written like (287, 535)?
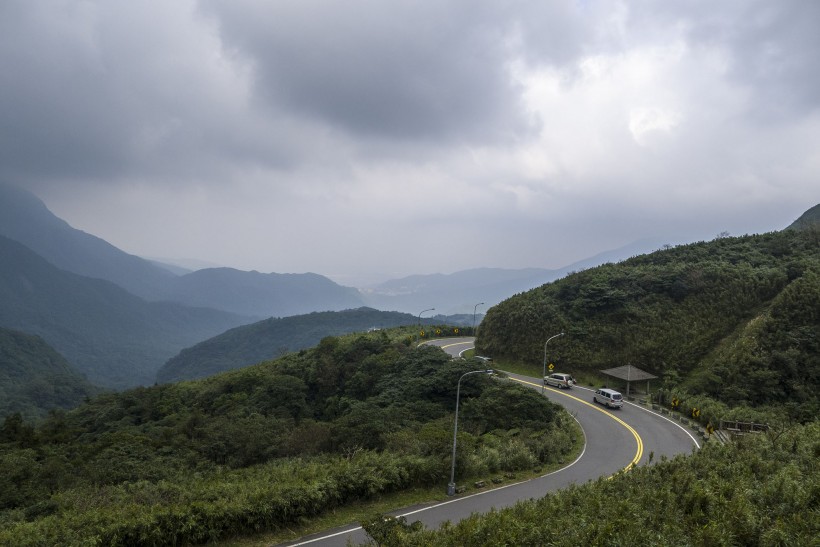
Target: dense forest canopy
(737, 318)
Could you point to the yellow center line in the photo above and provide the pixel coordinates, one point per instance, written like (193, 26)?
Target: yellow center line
(455, 344)
(638, 439)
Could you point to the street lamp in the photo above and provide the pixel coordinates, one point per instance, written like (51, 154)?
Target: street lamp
(422, 311)
(545, 358)
(451, 487)
(474, 309)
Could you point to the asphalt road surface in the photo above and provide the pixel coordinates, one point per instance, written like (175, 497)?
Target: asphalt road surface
(615, 441)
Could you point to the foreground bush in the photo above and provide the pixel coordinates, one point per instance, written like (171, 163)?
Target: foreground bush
(761, 490)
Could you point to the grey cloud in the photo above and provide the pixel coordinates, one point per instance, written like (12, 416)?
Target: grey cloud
(775, 46)
(772, 47)
(105, 91)
(403, 70)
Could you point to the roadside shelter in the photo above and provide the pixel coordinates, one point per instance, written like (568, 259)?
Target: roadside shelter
(630, 374)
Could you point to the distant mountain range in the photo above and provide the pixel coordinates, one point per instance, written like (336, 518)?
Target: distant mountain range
(118, 318)
(260, 295)
(25, 219)
(459, 292)
(116, 339)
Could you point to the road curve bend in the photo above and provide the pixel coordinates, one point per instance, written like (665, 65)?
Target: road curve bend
(615, 440)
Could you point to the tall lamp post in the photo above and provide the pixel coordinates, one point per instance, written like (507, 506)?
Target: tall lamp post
(451, 487)
(422, 311)
(545, 358)
(474, 309)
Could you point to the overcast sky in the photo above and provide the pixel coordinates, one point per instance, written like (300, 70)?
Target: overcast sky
(371, 139)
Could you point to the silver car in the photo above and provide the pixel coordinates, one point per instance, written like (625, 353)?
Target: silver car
(559, 380)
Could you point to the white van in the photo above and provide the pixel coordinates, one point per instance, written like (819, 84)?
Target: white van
(608, 397)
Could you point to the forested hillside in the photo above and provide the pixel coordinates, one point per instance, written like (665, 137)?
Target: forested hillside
(35, 379)
(250, 344)
(266, 446)
(737, 318)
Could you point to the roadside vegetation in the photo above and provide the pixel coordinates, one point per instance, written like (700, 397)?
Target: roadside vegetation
(760, 490)
(267, 446)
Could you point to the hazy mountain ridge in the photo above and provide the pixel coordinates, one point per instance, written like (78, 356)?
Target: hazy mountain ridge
(26, 219)
(460, 291)
(113, 337)
(258, 294)
(264, 340)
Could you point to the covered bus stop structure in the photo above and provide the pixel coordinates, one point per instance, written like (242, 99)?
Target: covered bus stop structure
(630, 374)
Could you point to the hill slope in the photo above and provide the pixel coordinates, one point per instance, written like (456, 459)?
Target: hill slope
(810, 220)
(251, 344)
(261, 295)
(113, 337)
(673, 312)
(24, 218)
(35, 379)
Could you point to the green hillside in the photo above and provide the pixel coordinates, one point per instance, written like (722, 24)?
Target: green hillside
(35, 379)
(736, 318)
(810, 220)
(250, 344)
(267, 446)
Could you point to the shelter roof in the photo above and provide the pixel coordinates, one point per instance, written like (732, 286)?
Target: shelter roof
(628, 373)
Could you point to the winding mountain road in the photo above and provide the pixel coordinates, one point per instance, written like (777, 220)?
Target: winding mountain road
(615, 441)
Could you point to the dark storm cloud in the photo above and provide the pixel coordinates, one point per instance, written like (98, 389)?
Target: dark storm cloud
(401, 69)
(107, 91)
(55, 111)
